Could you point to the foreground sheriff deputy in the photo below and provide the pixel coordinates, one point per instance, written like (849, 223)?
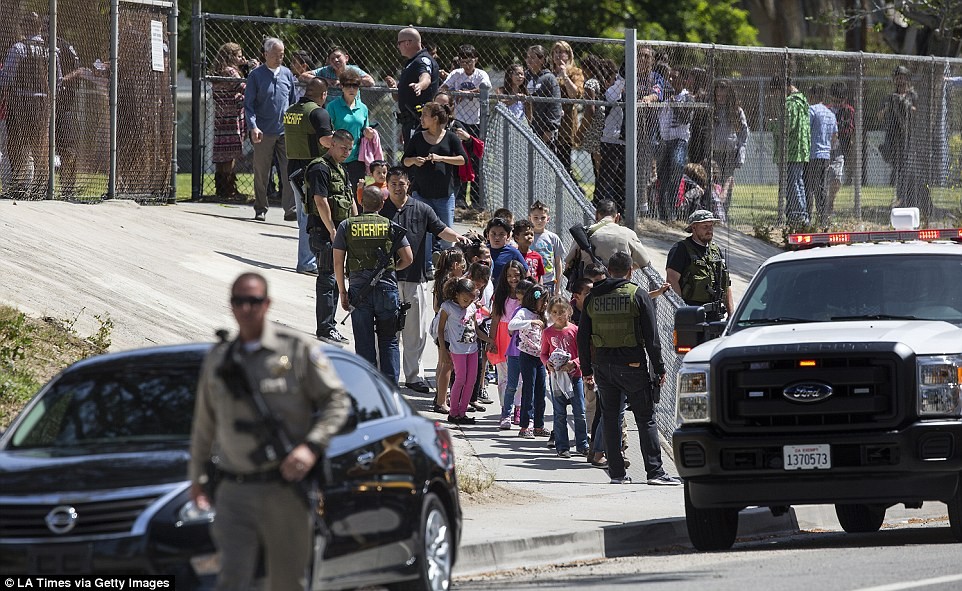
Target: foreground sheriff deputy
(696, 269)
(332, 203)
(617, 328)
(364, 249)
(259, 503)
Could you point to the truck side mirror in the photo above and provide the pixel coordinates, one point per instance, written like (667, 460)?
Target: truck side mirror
(690, 325)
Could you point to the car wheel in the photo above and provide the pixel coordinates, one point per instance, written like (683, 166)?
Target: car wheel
(710, 529)
(860, 518)
(436, 550)
(955, 512)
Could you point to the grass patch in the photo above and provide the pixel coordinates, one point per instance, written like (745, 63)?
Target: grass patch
(34, 350)
(473, 477)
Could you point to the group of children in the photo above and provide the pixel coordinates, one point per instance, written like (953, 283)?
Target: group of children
(498, 304)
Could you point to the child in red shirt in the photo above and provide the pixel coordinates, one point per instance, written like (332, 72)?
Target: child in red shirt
(559, 353)
(523, 234)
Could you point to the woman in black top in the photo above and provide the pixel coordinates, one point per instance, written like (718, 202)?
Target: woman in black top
(435, 155)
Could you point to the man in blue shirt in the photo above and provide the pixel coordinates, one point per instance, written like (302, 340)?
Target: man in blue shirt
(269, 93)
(824, 141)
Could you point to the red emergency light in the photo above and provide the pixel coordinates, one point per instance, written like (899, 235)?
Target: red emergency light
(799, 241)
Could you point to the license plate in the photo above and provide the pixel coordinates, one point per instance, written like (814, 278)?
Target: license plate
(807, 457)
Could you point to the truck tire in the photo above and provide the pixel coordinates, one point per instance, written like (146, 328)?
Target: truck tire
(955, 512)
(860, 518)
(710, 529)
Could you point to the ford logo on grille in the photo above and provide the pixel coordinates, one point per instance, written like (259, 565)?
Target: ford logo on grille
(807, 392)
(61, 519)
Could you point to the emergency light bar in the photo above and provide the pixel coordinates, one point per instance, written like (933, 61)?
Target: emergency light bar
(799, 241)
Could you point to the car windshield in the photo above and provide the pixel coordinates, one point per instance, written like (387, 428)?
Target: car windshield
(112, 404)
(877, 287)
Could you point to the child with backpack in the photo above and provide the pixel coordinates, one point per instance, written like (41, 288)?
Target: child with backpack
(505, 303)
(450, 265)
(457, 339)
(528, 323)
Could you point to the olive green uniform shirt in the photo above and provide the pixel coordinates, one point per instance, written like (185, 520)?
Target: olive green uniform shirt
(295, 378)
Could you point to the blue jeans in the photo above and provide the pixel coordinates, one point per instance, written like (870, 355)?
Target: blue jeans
(532, 391)
(672, 159)
(444, 207)
(560, 406)
(615, 384)
(305, 258)
(796, 211)
(514, 372)
(375, 321)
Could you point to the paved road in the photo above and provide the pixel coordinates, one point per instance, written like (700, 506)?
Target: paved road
(909, 557)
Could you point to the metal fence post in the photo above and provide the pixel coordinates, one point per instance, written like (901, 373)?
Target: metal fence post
(506, 164)
(782, 148)
(559, 204)
(480, 180)
(172, 44)
(52, 98)
(196, 147)
(859, 136)
(631, 129)
(530, 175)
(114, 66)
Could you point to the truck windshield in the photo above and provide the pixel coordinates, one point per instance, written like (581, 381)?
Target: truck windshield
(877, 287)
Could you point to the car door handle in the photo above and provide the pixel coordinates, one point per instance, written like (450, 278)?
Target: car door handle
(365, 459)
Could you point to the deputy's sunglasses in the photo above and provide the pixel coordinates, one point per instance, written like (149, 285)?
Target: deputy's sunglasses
(238, 301)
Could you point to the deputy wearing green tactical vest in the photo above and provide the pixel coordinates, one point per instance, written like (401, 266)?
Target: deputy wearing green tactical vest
(696, 268)
(332, 203)
(368, 249)
(617, 329)
(308, 131)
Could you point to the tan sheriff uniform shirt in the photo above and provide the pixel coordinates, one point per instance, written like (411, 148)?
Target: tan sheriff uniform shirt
(610, 238)
(295, 378)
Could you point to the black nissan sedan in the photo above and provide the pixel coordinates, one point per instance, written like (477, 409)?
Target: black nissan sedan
(93, 480)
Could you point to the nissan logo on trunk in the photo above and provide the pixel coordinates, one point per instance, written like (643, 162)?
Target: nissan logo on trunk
(807, 392)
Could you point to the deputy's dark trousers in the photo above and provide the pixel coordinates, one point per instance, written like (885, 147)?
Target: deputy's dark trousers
(617, 383)
(326, 302)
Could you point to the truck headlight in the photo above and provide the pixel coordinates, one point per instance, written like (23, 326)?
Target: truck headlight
(693, 398)
(939, 389)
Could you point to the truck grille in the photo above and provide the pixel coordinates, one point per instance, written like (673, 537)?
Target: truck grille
(115, 516)
(863, 393)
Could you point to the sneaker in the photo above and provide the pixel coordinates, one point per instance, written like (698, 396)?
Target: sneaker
(333, 337)
(290, 216)
(454, 420)
(623, 480)
(485, 400)
(505, 424)
(491, 377)
(308, 271)
(526, 433)
(551, 440)
(260, 216)
(664, 480)
(467, 421)
(582, 452)
(542, 432)
(474, 406)
(564, 454)
(418, 386)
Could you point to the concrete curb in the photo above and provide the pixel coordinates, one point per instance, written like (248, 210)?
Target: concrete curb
(605, 542)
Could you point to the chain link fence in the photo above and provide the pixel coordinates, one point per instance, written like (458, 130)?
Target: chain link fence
(69, 116)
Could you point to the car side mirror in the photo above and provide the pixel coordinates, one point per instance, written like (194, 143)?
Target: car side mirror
(692, 328)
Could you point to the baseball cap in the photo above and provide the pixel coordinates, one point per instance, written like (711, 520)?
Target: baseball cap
(701, 215)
